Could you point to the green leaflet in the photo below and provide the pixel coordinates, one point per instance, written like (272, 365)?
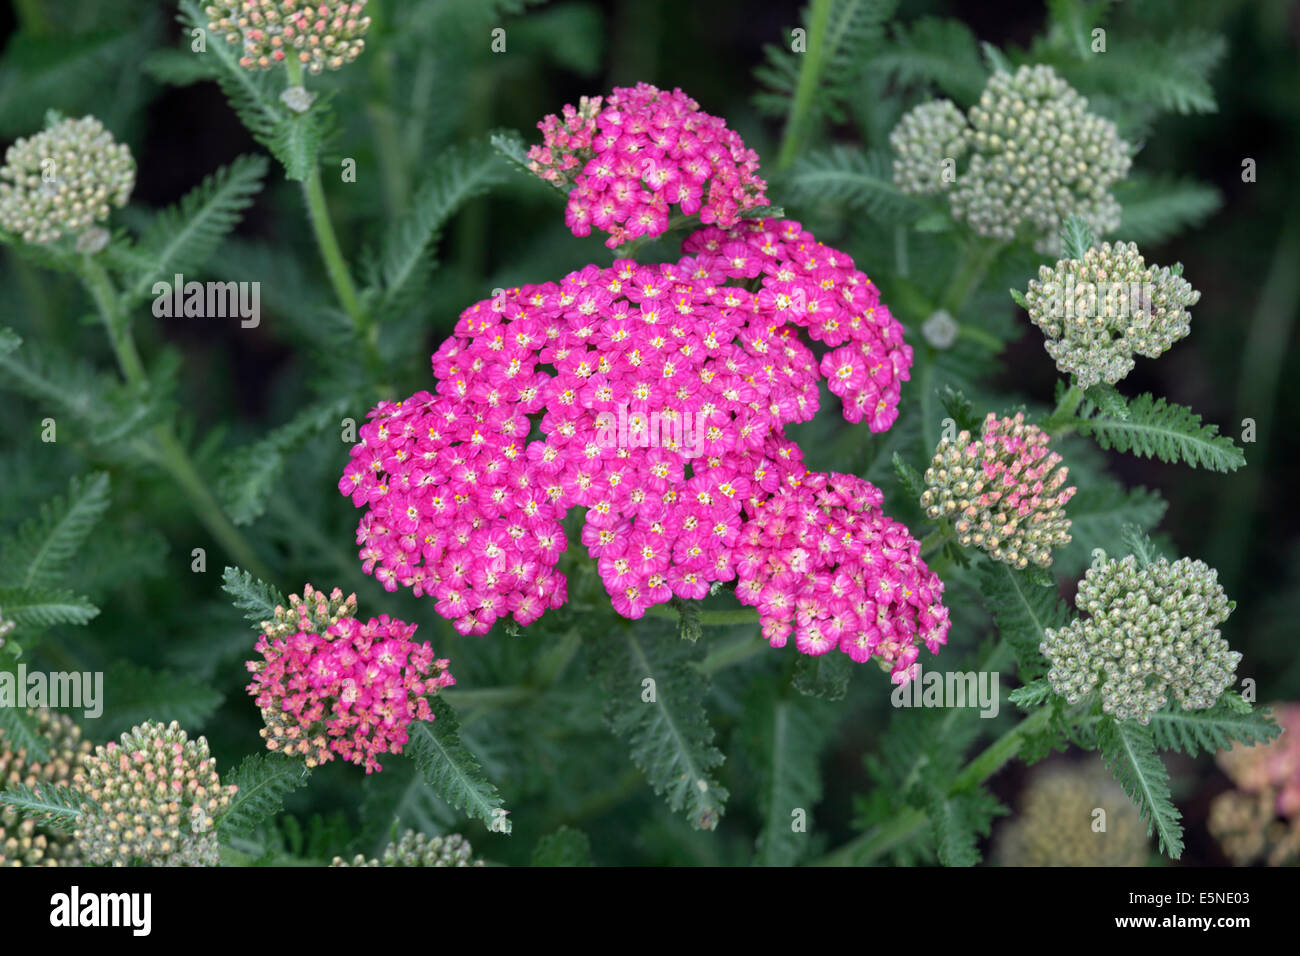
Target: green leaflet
(452, 771)
(1129, 752)
(264, 780)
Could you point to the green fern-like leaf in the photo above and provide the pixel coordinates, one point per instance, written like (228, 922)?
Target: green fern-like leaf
(183, 237)
(1077, 237)
(19, 730)
(39, 608)
(1171, 73)
(54, 806)
(784, 735)
(1155, 428)
(42, 546)
(1156, 208)
(408, 249)
(1031, 695)
(664, 721)
(1022, 610)
(510, 146)
(256, 599)
(849, 178)
(957, 821)
(264, 780)
(454, 773)
(1195, 731)
(1129, 752)
(938, 52)
(826, 676)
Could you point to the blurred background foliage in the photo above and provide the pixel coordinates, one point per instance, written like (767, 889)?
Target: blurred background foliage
(1201, 85)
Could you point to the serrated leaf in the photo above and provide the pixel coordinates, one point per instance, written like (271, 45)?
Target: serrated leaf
(1218, 728)
(452, 771)
(1021, 610)
(941, 52)
(37, 552)
(264, 780)
(1032, 694)
(958, 821)
(510, 145)
(909, 477)
(826, 676)
(849, 178)
(1077, 237)
(184, 236)
(1139, 545)
(1155, 428)
(255, 598)
(54, 806)
(1155, 208)
(1129, 752)
(669, 735)
(39, 608)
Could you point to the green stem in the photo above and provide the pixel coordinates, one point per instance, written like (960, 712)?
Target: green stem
(731, 653)
(1064, 410)
(904, 826)
(971, 266)
(171, 453)
(805, 92)
(981, 337)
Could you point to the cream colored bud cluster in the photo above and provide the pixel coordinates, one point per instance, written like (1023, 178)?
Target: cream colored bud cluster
(1098, 311)
(1151, 635)
(323, 35)
(312, 613)
(63, 180)
(418, 849)
(1005, 493)
(1037, 156)
(1058, 823)
(22, 841)
(928, 141)
(157, 797)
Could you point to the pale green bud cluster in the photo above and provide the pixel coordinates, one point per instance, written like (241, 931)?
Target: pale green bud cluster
(1099, 311)
(927, 141)
(63, 180)
(1151, 635)
(312, 613)
(418, 849)
(1059, 823)
(22, 841)
(157, 796)
(1037, 156)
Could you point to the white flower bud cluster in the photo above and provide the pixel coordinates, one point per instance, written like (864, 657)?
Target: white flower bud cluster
(418, 849)
(22, 841)
(157, 797)
(1151, 635)
(924, 139)
(322, 34)
(63, 180)
(1037, 156)
(1099, 311)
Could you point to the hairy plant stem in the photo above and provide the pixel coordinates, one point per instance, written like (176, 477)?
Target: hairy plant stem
(169, 452)
(1064, 409)
(904, 826)
(973, 263)
(805, 91)
(336, 265)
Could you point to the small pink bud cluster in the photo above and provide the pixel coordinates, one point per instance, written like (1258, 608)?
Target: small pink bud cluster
(345, 688)
(465, 488)
(323, 34)
(820, 558)
(638, 152)
(1003, 492)
(1261, 817)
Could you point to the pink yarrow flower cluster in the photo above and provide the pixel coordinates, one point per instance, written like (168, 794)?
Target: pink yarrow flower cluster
(630, 157)
(821, 559)
(329, 685)
(465, 487)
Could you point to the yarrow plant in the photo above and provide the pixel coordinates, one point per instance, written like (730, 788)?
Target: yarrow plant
(1005, 493)
(1038, 156)
(1151, 636)
(1098, 312)
(678, 481)
(63, 181)
(628, 158)
(1260, 817)
(320, 34)
(329, 686)
(154, 799)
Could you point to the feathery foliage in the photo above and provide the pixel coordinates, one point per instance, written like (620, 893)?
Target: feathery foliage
(1129, 752)
(1155, 428)
(452, 772)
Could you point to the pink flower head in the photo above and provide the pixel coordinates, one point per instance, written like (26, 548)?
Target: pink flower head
(653, 396)
(328, 685)
(626, 159)
(821, 560)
